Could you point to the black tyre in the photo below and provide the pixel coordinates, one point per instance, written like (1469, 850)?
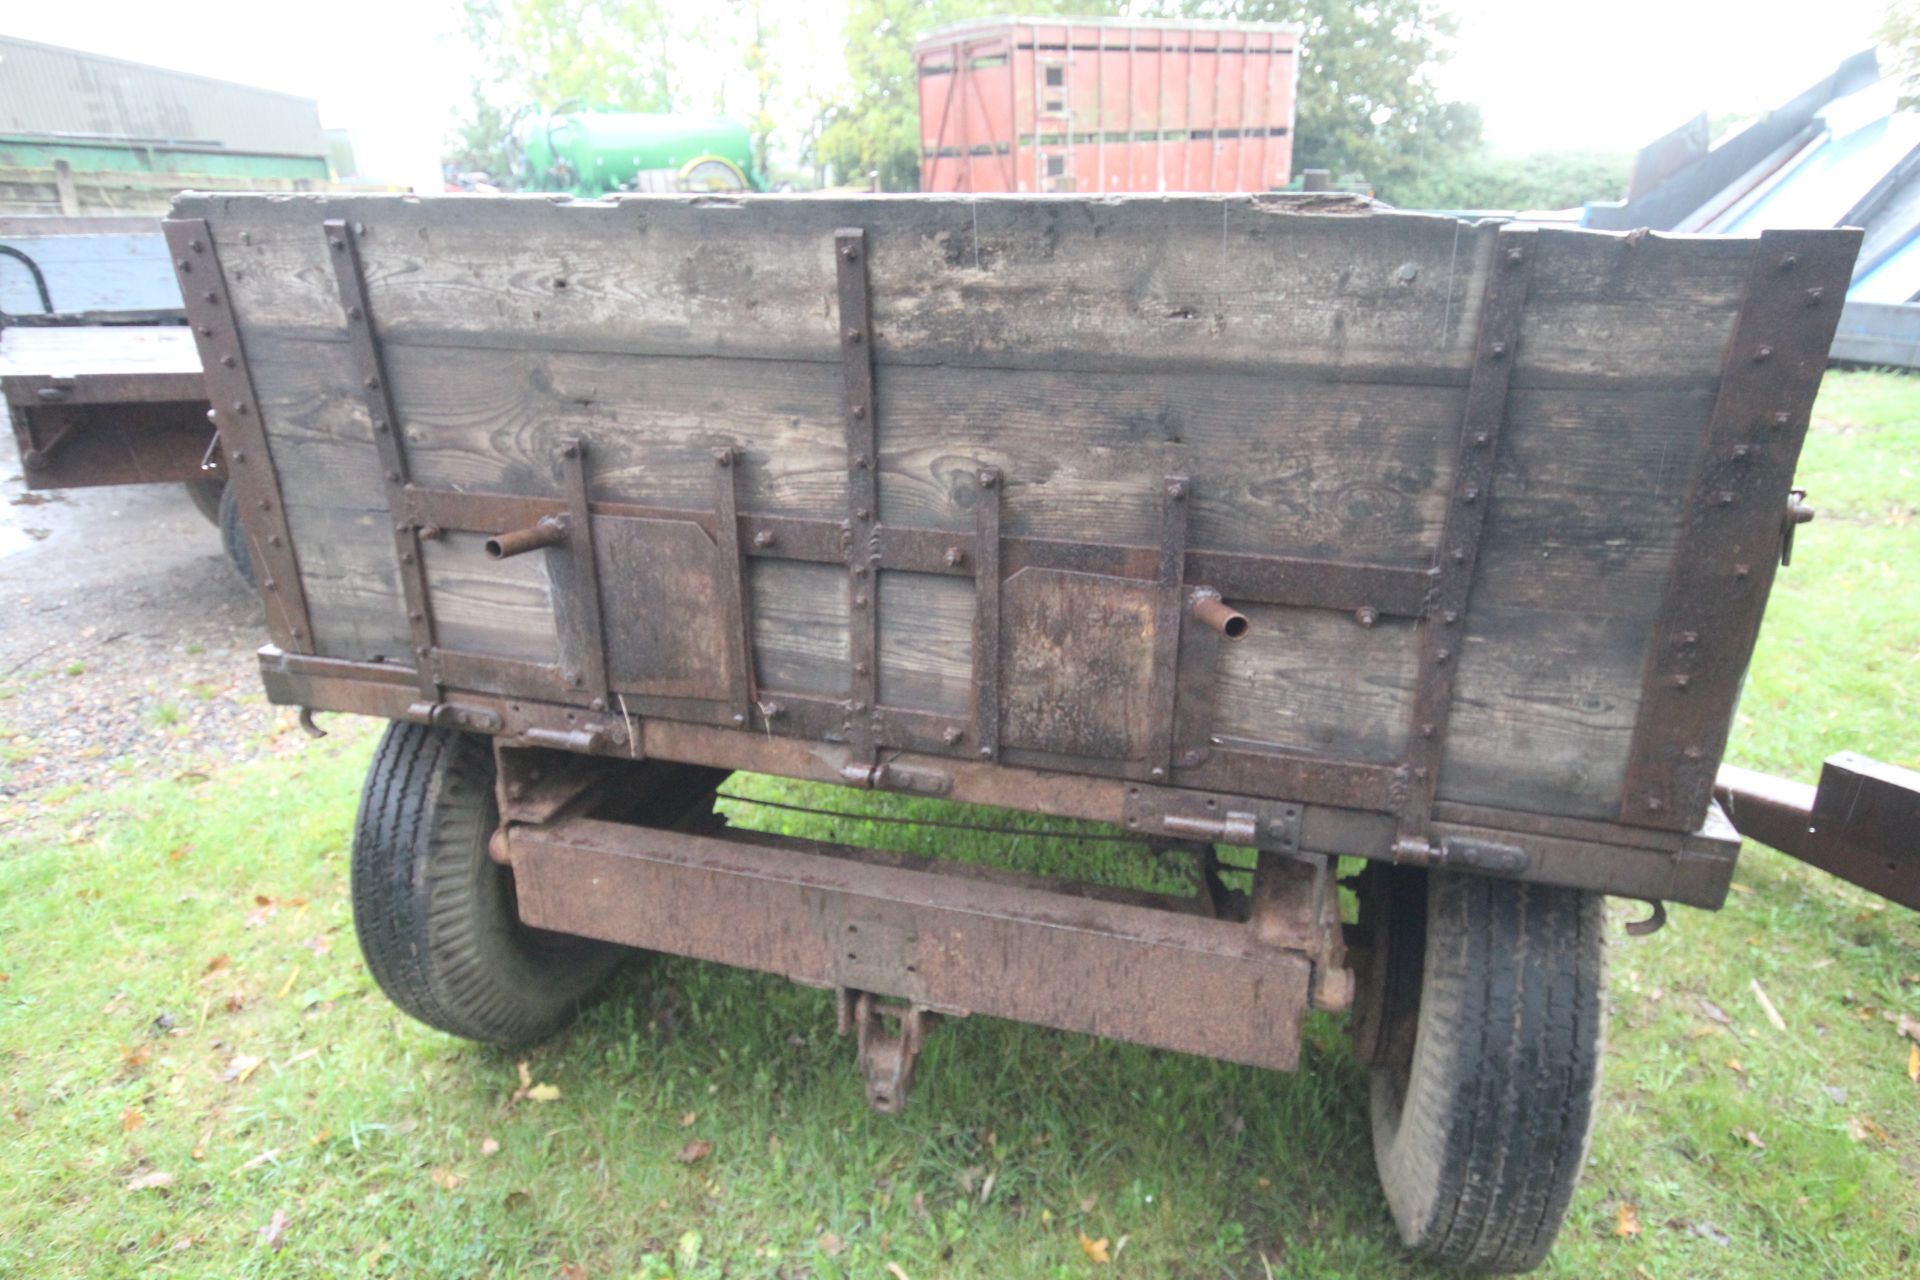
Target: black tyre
(436, 916)
(206, 497)
(1481, 1114)
(233, 536)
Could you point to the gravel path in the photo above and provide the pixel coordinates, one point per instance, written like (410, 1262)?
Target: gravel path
(126, 646)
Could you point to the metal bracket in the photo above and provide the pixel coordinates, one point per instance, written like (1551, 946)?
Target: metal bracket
(1162, 812)
(236, 413)
(986, 613)
(349, 274)
(739, 632)
(887, 1058)
(588, 644)
(863, 491)
(1169, 613)
(1503, 299)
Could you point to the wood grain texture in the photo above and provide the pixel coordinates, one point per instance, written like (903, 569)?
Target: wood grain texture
(1307, 372)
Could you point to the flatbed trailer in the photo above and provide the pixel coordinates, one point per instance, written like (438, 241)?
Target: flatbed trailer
(1275, 523)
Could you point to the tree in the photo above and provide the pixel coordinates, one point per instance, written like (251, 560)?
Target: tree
(611, 54)
(1901, 33)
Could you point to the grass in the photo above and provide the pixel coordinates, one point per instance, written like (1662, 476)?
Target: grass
(193, 1051)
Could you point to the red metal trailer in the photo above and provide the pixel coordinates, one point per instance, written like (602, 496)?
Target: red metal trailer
(1030, 104)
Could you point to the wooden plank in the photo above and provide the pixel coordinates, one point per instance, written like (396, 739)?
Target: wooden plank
(499, 608)
(1317, 682)
(926, 642)
(1190, 283)
(799, 627)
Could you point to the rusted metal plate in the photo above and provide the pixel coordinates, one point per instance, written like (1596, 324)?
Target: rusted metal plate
(1077, 664)
(1163, 978)
(1733, 523)
(229, 388)
(1503, 298)
(1862, 823)
(666, 583)
(80, 445)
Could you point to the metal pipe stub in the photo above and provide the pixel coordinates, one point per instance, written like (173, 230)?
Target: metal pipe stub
(547, 531)
(1210, 610)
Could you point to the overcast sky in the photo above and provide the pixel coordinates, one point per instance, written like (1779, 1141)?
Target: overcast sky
(1547, 75)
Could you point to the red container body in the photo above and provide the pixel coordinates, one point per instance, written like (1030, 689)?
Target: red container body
(1019, 104)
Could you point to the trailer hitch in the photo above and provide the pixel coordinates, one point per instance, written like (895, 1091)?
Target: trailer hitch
(887, 1058)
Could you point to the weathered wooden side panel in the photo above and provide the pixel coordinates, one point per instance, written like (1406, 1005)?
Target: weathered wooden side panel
(1305, 371)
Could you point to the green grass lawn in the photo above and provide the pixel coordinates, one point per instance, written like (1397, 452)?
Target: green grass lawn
(200, 1079)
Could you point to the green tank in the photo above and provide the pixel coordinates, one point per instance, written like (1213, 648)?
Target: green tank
(593, 153)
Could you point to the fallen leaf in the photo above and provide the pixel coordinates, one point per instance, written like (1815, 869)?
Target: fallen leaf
(1766, 1005)
(200, 1147)
(319, 944)
(686, 1121)
(1861, 1128)
(1913, 1063)
(526, 1076)
(275, 1232)
(259, 916)
(572, 1271)
(1734, 1063)
(489, 1146)
(1096, 1250)
(301, 1056)
(695, 1150)
(1715, 1012)
(151, 1180)
(1087, 1203)
(240, 1067)
(544, 1093)
(260, 1159)
(130, 1119)
(1626, 1221)
(831, 1245)
(893, 1269)
(1904, 1024)
(1751, 1138)
(136, 1055)
(1707, 1231)
(218, 963)
(447, 1179)
(236, 1002)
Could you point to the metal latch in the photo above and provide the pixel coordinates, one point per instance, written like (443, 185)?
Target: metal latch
(887, 1058)
(1798, 513)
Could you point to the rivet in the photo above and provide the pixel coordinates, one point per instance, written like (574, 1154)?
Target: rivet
(1788, 262)
(211, 296)
(859, 411)
(763, 539)
(738, 718)
(196, 246)
(205, 331)
(401, 526)
(271, 585)
(723, 457)
(860, 601)
(851, 253)
(273, 540)
(988, 479)
(861, 513)
(416, 616)
(1497, 350)
(1441, 655)
(420, 651)
(298, 634)
(1421, 773)
(575, 679)
(1451, 616)
(1681, 680)
(429, 533)
(571, 449)
(240, 406)
(1471, 496)
(1689, 638)
(340, 246)
(1426, 731)
(380, 424)
(184, 265)
(353, 313)
(1781, 417)
(1762, 354)
(1655, 803)
(393, 477)
(1177, 491)
(1814, 296)
(239, 455)
(1740, 571)
(266, 504)
(1516, 254)
(1726, 498)
(860, 668)
(228, 361)
(952, 734)
(955, 557)
(862, 462)
(1693, 753)
(372, 384)
(1459, 555)
(853, 335)
(1366, 615)
(1742, 450)
(406, 557)
(859, 571)
(1157, 772)
(986, 753)
(1483, 437)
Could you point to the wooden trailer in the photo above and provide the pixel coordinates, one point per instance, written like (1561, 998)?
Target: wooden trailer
(1280, 523)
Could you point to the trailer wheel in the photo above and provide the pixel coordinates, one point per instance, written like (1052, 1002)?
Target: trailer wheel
(206, 496)
(233, 536)
(436, 916)
(1487, 1017)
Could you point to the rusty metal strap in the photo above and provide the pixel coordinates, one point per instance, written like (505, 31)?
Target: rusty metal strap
(349, 274)
(236, 412)
(863, 490)
(1732, 523)
(1503, 300)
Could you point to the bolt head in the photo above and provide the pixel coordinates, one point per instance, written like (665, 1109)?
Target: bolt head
(1157, 772)
(1366, 615)
(763, 539)
(989, 479)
